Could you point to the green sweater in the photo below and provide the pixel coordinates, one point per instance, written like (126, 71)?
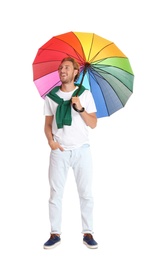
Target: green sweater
(63, 112)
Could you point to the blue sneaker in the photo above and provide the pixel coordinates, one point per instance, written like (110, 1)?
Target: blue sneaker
(53, 241)
(89, 241)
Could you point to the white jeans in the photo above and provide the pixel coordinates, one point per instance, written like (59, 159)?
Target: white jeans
(80, 161)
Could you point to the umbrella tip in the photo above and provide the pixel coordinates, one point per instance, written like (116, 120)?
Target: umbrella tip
(87, 64)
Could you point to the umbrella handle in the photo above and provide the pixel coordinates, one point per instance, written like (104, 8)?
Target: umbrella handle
(78, 110)
(74, 107)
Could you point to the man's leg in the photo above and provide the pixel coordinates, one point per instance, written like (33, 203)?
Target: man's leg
(82, 166)
(58, 168)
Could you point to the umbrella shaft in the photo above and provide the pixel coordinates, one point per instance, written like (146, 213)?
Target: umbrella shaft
(84, 72)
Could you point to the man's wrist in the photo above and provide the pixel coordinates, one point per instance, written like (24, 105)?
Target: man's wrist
(50, 141)
(81, 110)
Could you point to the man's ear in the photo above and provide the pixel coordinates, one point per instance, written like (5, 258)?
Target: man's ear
(75, 72)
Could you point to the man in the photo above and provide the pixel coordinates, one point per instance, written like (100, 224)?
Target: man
(66, 130)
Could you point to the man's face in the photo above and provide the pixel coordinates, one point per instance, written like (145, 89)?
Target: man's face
(66, 72)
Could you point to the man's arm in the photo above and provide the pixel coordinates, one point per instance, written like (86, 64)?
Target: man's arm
(89, 118)
(48, 132)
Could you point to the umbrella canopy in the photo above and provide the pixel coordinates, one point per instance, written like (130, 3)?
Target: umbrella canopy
(104, 68)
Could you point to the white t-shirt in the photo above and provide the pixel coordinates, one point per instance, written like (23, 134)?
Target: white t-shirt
(74, 136)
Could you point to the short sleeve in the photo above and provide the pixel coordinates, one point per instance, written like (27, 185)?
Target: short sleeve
(47, 107)
(90, 106)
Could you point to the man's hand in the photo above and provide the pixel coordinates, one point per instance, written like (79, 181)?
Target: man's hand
(55, 145)
(76, 101)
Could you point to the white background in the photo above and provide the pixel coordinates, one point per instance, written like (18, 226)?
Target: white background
(120, 143)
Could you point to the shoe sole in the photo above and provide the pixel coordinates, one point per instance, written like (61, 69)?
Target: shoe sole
(51, 247)
(91, 247)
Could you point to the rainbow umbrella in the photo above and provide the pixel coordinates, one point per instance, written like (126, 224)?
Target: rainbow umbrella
(104, 68)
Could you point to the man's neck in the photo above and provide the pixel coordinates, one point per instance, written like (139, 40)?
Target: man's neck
(67, 87)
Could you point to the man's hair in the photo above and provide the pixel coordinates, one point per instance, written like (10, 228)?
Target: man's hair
(75, 65)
